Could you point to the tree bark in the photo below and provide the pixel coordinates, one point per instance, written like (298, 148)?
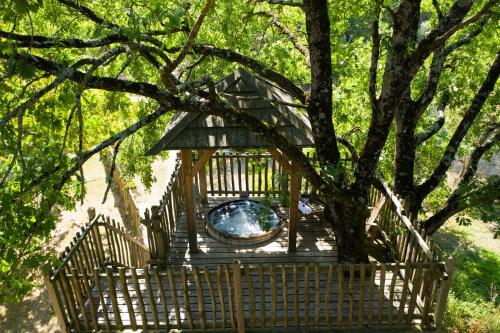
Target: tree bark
(348, 218)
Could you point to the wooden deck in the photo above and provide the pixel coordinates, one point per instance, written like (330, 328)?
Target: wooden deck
(315, 243)
(279, 289)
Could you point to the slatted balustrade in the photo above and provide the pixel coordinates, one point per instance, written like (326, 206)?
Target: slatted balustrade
(278, 295)
(162, 222)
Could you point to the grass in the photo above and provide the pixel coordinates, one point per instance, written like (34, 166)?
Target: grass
(473, 303)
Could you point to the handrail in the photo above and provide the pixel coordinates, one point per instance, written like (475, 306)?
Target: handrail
(93, 239)
(67, 256)
(124, 234)
(406, 220)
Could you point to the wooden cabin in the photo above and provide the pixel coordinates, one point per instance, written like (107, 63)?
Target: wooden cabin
(185, 277)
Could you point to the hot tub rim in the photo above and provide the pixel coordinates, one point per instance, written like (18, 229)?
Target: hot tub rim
(251, 240)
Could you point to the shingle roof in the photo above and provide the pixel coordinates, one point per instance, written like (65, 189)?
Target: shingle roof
(190, 130)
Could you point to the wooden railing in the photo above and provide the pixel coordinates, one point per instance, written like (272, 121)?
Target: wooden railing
(100, 243)
(255, 174)
(252, 296)
(129, 203)
(161, 222)
(405, 236)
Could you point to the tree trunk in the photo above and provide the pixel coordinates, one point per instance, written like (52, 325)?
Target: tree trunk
(348, 218)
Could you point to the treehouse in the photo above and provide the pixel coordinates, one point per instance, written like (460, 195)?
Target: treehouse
(228, 248)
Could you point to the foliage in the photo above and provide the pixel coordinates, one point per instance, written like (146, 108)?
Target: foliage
(473, 304)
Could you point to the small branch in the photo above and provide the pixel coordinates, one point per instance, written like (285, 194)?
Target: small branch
(431, 130)
(89, 13)
(450, 24)
(349, 147)
(467, 38)
(9, 169)
(66, 130)
(391, 11)
(291, 36)
(111, 171)
(439, 13)
(191, 37)
(78, 161)
(78, 104)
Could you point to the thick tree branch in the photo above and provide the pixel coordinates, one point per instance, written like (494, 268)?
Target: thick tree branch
(395, 83)
(437, 7)
(477, 103)
(391, 11)
(455, 202)
(447, 26)
(89, 13)
(431, 130)
(282, 81)
(424, 100)
(262, 98)
(43, 42)
(282, 3)
(319, 108)
(62, 75)
(96, 82)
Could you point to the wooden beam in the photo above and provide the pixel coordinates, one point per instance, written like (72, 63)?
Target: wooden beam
(199, 167)
(375, 211)
(282, 159)
(187, 180)
(202, 159)
(202, 175)
(293, 213)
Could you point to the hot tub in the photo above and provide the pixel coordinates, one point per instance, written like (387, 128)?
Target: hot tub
(243, 222)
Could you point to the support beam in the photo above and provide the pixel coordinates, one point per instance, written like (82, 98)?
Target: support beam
(202, 176)
(187, 180)
(293, 209)
(203, 157)
(280, 157)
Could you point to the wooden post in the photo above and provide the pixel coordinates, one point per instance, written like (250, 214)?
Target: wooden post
(158, 241)
(293, 209)
(91, 212)
(186, 160)
(240, 319)
(443, 292)
(54, 299)
(203, 183)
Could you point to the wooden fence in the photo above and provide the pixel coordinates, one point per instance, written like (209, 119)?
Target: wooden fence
(253, 296)
(231, 174)
(161, 222)
(100, 243)
(129, 203)
(406, 237)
